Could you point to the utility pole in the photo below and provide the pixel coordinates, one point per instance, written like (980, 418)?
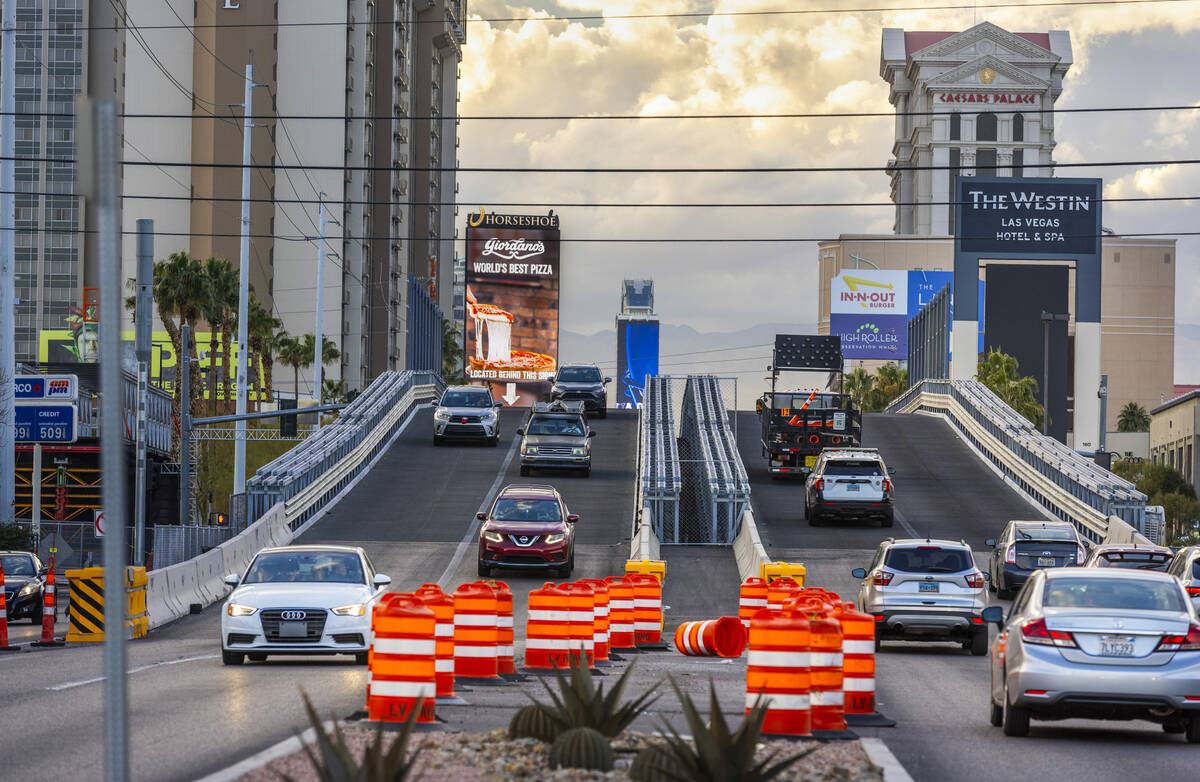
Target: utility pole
(144, 303)
(185, 425)
(239, 449)
(8, 280)
(318, 358)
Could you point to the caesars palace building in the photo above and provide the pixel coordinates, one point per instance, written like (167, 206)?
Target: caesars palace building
(972, 103)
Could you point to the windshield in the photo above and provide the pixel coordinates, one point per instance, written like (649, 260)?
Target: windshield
(1045, 533)
(1134, 560)
(526, 510)
(928, 559)
(18, 565)
(579, 375)
(465, 399)
(339, 567)
(1112, 593)
(567, 427)
(863, 468)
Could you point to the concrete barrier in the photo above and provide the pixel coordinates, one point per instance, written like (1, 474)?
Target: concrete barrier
(210, 568)
(1121, 532)
(748, 549)
(644, 544)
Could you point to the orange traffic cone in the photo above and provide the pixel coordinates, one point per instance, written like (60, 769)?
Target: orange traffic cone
(48, 611)
(4, 647)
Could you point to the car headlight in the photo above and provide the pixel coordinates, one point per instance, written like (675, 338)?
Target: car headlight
(495, 537)
(441, 415)
(28, 589)
(530, 449)
(236, 609)
(354, 609)
(579, 451)
(490, 415)
(557, 537)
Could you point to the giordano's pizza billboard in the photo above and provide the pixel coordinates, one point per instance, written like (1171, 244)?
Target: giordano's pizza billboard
(512, 283)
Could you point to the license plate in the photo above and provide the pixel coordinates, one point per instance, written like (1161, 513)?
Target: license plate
(1045, 561)
(852, 487)
(1116, 646)
(809, 461)
(293, 629)
(927, 587)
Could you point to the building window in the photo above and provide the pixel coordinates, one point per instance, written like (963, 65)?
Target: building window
(985, 162)
(1018, 166)
(955, 127)
(985, 127)
(1018, 125)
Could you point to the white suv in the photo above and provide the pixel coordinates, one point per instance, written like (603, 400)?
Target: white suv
(849, 483)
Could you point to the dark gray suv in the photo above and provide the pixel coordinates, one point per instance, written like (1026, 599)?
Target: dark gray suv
(582, 383)
(556, 436)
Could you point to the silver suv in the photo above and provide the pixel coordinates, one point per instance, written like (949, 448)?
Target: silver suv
(1185, 566)
(467, 413)
(849, 483)
(925, 589)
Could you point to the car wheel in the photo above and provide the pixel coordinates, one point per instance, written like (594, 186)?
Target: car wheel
(360, 658)
(232, 658)
(587, 472)
(36, 618)
(878, 643)
(814, 519)
(256, 657)
(524, 471)
(437, 440)
(1174, 727)
(979, 642)
(492, 443)
(1016, 719)
(483, 570)
(888, 520)
(602, 413)
(1193, 730)
(991, 586)
(996, 713)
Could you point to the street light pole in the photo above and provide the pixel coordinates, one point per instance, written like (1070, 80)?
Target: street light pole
(8, 280)
(319, 353)
(239, 445)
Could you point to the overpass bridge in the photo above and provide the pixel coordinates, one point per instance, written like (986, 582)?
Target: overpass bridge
(412, 506)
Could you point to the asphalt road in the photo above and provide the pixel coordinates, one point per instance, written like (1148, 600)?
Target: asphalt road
(937, 693)
(189, 715)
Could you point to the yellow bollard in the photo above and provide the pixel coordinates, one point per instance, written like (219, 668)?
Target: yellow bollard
(769, 571)
(654, 567)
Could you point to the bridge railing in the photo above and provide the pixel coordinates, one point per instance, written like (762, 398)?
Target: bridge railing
(659, 479)
(1065, 483)
(289, 493)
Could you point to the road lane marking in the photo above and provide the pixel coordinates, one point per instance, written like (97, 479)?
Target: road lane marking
(904, 523)
(469, 537)
(139, 669)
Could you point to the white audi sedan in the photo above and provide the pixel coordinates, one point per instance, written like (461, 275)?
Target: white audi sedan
(301, 600)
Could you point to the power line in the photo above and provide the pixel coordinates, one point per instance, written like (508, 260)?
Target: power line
(669, 15)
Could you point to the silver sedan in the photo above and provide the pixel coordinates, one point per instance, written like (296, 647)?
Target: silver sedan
(1097, 643)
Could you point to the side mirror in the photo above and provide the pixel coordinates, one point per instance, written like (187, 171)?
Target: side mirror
(481, 516)
(521, 432)
(592, 433)
(232, 579)
(991, 542)
(993, 615)
(382, 580)
(607, 380)
(859, 572)
(987, 576)
(44, 570)
(497, 404)
(572, 518)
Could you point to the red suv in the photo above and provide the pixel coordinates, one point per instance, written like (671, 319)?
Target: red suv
(527, 527)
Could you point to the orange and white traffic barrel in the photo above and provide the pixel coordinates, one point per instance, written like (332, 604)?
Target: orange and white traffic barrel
(826, 657)
(752, 598)
(599, 616)
(442, 606)
(777, 668)
(723, 637)
(581, 615)
(780, 591)
(400, 665)
(620, 613)
(504, 626)
(647, 608)
(858, 659)
(476, 653)
(548, 628)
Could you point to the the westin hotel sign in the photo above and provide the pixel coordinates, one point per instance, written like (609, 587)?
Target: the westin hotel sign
(1022, 215)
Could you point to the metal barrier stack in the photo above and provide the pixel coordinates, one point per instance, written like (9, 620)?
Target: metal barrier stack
(716, 489)
(658, 455)
(1068, 485)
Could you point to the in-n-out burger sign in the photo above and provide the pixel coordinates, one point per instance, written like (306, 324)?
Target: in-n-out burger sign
(513, 249)
(870, 299)
(986, 97)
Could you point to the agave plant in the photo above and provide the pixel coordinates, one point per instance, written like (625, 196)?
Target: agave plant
(718, 755)
(581, 704)
(334, 761)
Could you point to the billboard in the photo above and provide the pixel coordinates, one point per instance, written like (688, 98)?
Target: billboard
(512, 284)
(869, 311)
(637, 356)
(924, 285)
(1059, 217)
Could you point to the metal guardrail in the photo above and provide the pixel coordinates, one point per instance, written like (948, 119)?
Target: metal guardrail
(1067, 484)
(659, 480)
(716, 489)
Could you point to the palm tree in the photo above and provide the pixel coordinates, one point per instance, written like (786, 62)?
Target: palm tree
(452, 351)
(1133, 418)
(329, 353)
(220, 308)
(890, 382)
(1000, 372)
(262, 332)
(858, 385)
(179, 293)
(297, 353)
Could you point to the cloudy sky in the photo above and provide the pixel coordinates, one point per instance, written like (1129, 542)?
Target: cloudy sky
(1125, 55)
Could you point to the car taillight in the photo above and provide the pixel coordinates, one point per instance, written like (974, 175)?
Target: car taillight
(1010, 556)
(1193, 590)
(1079, 555)
(1036, 632)
(881, 578)
(820, 484)
(975, 580)
(887, 485)
(1181, 643)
